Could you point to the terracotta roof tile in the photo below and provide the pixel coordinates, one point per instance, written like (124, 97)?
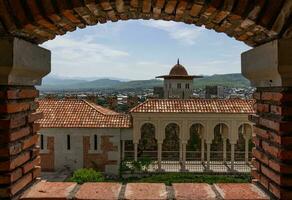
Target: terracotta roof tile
(74, 113)
(195, 106)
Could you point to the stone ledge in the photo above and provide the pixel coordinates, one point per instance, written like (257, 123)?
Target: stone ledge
(145, 191)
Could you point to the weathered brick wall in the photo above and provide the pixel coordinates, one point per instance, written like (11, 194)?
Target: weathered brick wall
(19, 154)
(48, 158)
(273, 140)
(98, 160)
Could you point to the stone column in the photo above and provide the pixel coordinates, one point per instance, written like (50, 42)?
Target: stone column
(22, 65)
(183, 165)
(159, 155)
(136, 151)
(232, 156)
(202, 150)
(180, 151)
(269, 68)
(246, 148)
(208, 154)
(224, 150)
(123, 149)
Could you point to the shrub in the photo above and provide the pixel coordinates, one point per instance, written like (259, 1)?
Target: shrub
(86, 175)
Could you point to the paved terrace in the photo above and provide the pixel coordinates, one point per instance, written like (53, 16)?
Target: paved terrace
(145, 191)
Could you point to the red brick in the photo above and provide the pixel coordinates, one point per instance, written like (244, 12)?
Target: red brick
(280, 110)
(49, 190)
(28, 142)
(257, 141)
(21, 183)
(22, 94)
(36, 127)
(34, 116)
(17, 134)
(255, 174)
(280, 167)
(10, 150)
(30, 165)
(256, 163)
(262, 108)
(153, 191)
(281, 140)
(277, 178)
(282, 154)
(242, 191)
(261, 132)
(264, 181)
(10, 177)
(13, 122)
(193, 191)
(35, 151)
(276, 96)
(6, 192)
(14, 107)
(280, 192)
(257, 95)
(16, 162)
(36, 172)
(260, 156)
(99, 191)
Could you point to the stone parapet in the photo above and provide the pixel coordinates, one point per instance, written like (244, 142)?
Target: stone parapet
(143, 191)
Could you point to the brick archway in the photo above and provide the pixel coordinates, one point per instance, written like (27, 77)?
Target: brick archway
(255, 22)
(252, 21)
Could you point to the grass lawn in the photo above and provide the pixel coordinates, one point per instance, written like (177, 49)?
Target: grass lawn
(169, 178)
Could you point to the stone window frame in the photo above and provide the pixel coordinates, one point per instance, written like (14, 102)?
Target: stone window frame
(91, 144)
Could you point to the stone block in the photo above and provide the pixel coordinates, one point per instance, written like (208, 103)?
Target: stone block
(50, 190)
(145, 191)
(22, 63)
(240, 191)
(99, 191)
(193, 191)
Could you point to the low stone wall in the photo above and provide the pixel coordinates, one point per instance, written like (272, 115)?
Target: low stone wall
(153, 191)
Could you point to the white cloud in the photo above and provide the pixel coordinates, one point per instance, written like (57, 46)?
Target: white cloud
(177, 31)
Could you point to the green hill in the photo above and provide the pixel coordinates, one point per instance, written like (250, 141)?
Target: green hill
(227, 80)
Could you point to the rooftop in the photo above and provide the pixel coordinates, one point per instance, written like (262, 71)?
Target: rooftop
(195, 106)
(74, 113)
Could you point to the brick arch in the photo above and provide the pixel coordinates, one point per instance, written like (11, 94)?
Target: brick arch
(252, 21)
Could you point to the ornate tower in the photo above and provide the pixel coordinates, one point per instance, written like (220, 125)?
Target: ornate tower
(178, 84)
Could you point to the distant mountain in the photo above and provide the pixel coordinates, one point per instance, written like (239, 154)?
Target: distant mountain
(227, 80)
(57, 83)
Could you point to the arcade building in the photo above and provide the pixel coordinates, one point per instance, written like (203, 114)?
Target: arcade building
(178, 133)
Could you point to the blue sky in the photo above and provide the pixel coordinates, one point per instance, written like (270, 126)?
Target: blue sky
(139, 49)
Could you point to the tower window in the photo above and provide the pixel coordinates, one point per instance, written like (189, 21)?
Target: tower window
(42, 141)
(187, 86)
(95, 142)
(68, 142)
(179, 85)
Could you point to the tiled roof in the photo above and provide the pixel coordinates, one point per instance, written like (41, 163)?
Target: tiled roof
(195, 106)
(74, 113)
